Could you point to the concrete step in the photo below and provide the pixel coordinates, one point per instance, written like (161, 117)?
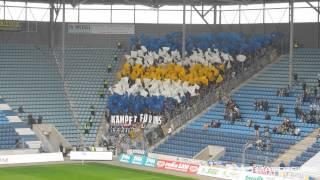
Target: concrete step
(297, 149)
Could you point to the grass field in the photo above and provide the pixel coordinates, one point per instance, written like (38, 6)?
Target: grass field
(90, 171)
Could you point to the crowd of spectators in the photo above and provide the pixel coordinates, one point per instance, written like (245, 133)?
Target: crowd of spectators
(287, 127)
(262, 105)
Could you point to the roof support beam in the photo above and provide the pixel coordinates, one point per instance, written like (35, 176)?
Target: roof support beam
(316, 9)
(206, 13)
(203, 18)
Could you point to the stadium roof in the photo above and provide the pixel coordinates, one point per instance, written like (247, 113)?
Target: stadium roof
(163, 2)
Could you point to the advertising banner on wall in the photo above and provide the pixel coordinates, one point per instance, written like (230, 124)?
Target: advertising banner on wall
(94, 156)
(31, 158)
(101, 28)
(177, 166)
(7, 25)
(138, 160)
(218, 172)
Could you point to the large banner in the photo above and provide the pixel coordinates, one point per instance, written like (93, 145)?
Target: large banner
(218, 172)
(128, 120)
(94, 156)
(31, 158)
(101, 28)
(177, 166)
(138, 160)
(6, 25)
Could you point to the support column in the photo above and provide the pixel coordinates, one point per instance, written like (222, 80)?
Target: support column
(4, 9)
(134, 14)
(51, 26)
(291, 5)
(220, 14)
(318, 24)
(215, 14)
(264, 16)
(78, 13)
(239, 18)
(63, 31)
(184, 32)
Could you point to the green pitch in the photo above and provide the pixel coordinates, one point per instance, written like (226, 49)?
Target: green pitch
(90, 171)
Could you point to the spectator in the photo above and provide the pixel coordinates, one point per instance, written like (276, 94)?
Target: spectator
(218, 124)
(259, 145)
(115, 57)
(215, 124)
(107, 115)
(20, 110)
(205, 126)
(298, 101)
(266, 105)
(278, 92)
(304, 86)
(295, 78)
(297, 111)
(93, 110)
(17, 143)
(109, 68)
(119, 45)
(256, 128)
(256, 104)
(280, 110)
(40, 118)
(296, 44)
(105, 84)
(219, 94)
(315, 92)
(252, 163)
(282, 164)
(297, 131)
(269, 144)
(90, 121)
(212, 123)
(274, 130)
(267, 116)
(30, 120)
(266, 132)
(305, 96)
(86, 128)
(249, 123)
(93, 148)
(169, 131)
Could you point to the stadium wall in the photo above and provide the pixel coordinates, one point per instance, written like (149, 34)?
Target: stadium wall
(306, 33)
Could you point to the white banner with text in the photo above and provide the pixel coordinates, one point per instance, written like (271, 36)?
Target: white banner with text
(90, 156)
(31, 158)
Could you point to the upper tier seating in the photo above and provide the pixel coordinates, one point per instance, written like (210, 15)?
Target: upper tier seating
(192, 139)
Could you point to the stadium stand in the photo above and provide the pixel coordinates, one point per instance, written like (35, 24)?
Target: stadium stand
(13, 132)
(306, 155)
(192, 139)
(86, 70)
(30, 77)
